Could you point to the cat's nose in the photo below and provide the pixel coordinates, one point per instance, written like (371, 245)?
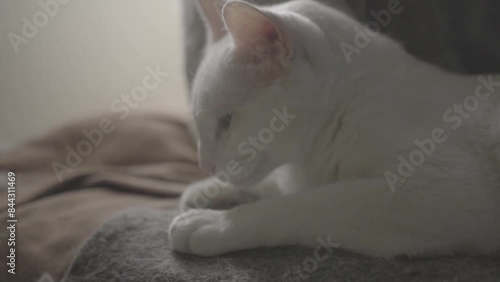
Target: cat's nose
(210, 170)
(206, 165)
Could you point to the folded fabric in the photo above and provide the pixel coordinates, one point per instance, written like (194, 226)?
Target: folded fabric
(65, 191)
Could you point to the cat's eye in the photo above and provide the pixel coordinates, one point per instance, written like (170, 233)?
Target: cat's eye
(225, 121)
(223, 124)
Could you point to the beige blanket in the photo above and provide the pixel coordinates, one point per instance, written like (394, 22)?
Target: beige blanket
(72, 180)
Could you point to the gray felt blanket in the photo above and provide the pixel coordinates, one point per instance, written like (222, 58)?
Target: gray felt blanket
(134, 246)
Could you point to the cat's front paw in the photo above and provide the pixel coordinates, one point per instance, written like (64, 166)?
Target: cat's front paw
(201, 232)
(212, 194)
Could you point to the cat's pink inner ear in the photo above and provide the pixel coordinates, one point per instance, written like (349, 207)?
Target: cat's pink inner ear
(212, 14)
(253, 31)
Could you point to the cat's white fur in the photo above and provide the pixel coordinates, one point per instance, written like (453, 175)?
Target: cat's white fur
(351, 123)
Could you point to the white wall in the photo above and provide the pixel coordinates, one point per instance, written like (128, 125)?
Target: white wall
(88, 54)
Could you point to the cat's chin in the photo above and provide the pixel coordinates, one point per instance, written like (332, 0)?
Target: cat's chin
(245, 183)
(248, 181)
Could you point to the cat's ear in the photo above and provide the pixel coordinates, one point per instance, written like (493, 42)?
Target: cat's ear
(211, 11)
(254, 32)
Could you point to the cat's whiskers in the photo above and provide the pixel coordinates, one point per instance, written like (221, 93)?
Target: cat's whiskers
(199, 112)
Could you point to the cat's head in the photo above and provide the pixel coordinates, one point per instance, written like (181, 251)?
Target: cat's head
(251, 87)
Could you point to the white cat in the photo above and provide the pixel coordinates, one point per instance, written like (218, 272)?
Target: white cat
(385, 155)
